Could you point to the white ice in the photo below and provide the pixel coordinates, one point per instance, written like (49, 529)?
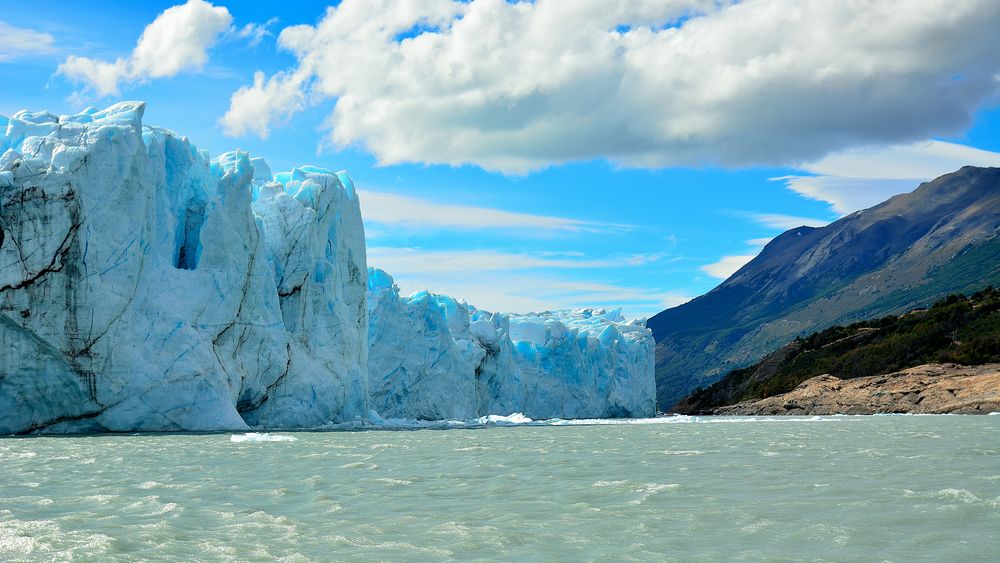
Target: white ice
(145, 286)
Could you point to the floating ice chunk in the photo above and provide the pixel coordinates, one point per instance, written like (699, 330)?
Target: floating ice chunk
(509, 420)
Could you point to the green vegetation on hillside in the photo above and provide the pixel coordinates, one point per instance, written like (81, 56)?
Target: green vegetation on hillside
(957, 329)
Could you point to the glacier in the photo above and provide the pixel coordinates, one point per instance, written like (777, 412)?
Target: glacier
(145, 286)
(433, 357)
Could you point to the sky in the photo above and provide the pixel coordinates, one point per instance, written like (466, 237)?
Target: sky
(540, 155)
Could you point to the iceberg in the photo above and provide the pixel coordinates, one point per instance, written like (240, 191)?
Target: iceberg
(433, 357)
(145, 286)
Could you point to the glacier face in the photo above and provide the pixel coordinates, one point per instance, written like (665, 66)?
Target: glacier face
(433, 357)
(147, 287)
(143, 286)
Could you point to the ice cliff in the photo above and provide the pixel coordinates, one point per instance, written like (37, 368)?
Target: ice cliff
(434, 357)
(145, 286)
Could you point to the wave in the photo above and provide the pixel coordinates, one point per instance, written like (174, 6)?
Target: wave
(376, 422)
(263, 437)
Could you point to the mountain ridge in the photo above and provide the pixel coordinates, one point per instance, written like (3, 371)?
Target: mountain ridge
(905, 252)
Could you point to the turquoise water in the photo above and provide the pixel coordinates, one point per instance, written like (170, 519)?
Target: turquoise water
(834, 488)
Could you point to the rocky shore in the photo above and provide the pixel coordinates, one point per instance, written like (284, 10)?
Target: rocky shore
(926, 389)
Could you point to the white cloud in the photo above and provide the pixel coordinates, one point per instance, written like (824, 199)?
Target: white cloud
(402, 259)
(177, 40)
(416, 213)
(255, 109)
(727, 265)
(926, 159)
(19, 42)
(255, 33)
(785, 222)
(862, 177)
(516, 86)
(759, 242)
(525, 291)
(846, 195)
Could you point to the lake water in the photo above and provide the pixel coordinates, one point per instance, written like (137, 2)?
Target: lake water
(827, 488)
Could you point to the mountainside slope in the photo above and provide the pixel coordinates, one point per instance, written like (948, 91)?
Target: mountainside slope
(956, 330)
(904, 253)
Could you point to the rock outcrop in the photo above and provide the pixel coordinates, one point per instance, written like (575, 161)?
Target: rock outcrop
(926, 389)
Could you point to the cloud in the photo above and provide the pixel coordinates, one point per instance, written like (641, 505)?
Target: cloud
(862, 177)
(19, 42)
(523, 292)
(416, 213)
(759, 242)
(255, 33)
(177, 40)
(255, 109)
(403, 259)
(518, 86)
(727, 265)
(785, 222)
(520, 282)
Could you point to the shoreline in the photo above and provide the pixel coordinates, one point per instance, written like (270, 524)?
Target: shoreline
(925, 389)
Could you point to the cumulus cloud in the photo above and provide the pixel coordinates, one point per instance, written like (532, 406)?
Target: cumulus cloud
(255, 109)
(177, 40)
(19, 42)
(517, 86)
(862, 177)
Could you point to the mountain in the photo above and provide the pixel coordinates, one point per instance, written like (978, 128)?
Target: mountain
(907, 252)
(956, 330)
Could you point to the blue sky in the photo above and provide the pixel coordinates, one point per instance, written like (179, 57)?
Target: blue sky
(547, 155)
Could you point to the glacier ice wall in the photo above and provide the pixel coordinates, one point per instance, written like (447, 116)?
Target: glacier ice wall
(433, 357)
(144, 286)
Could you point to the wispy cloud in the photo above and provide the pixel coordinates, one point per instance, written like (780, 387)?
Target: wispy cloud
(759, 242)
(254, 33)
(17, 42)
(727, 265)
(523, 282)
(526, 291)
(860, 178)
(785, 222)
(402, 260)
(416, 213)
